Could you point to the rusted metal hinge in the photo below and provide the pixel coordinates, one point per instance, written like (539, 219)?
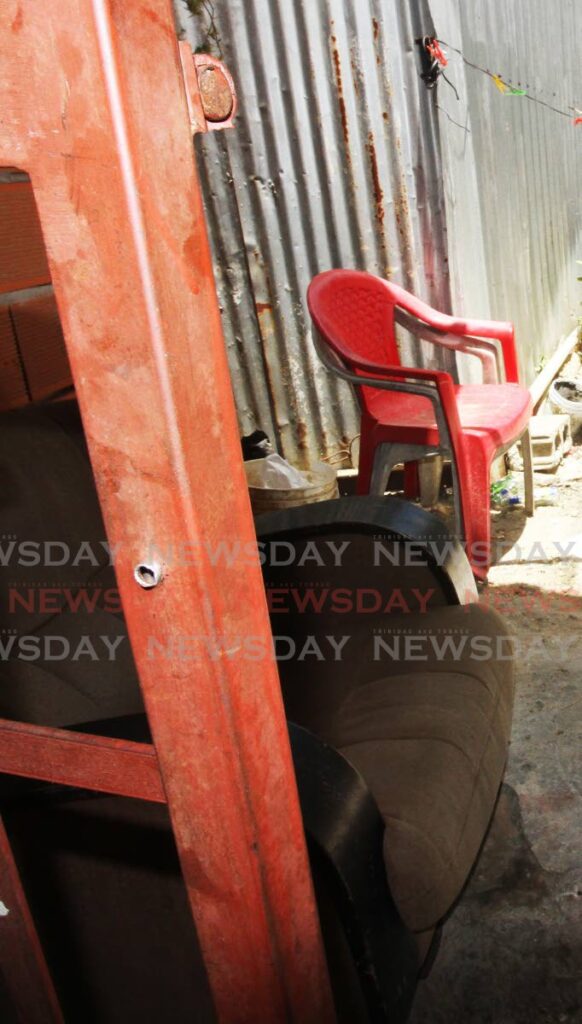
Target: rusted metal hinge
(210, 91)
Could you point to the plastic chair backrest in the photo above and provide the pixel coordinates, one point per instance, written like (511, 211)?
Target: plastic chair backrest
(354, 314)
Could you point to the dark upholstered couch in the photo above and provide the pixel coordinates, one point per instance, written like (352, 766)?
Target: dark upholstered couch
(400, 751)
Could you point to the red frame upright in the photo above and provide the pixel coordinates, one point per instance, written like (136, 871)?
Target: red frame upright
(94, 106)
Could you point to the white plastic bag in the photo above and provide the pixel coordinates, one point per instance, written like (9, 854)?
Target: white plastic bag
(277, 474)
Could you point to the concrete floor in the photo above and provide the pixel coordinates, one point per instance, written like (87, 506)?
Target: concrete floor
(511, 952)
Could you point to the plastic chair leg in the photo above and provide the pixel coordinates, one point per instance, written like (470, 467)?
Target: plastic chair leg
(365, 465)
(430, 472)
(411, 481)
(387, 456)
(473, 490)
(526, 454)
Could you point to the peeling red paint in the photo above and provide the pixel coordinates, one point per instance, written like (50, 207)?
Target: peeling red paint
(376, 185)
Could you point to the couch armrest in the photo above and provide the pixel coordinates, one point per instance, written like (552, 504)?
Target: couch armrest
(345, 832)
(396, 520)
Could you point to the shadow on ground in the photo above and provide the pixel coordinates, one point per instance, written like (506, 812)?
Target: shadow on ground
(512, 950)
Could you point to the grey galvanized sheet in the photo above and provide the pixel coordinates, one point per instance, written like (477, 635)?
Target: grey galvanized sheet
(341, 157)
(524, 172)
(333, 162)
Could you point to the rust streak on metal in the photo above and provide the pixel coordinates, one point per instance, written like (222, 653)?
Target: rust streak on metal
(302, 434)
(402, 213)
(263, 307)
(340, 90)
(376, 29)
(376, 185)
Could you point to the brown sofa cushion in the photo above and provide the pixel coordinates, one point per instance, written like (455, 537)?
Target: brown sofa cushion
(48, 505)
(429, 737)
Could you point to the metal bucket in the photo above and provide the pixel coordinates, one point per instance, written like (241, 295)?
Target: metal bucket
(565, 396)
(322, 486)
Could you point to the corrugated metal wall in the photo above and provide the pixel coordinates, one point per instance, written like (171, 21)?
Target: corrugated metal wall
(333, 162)
(527, 161)
(341, 157)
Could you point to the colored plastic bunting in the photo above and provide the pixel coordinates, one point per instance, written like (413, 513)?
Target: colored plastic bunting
(505, 89)
(434, 50)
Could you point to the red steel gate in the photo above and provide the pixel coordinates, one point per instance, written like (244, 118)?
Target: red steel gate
(96, 107)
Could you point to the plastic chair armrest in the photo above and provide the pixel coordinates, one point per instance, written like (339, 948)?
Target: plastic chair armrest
(497, 329)
(436, 385)
(438, 381)
(487, 351)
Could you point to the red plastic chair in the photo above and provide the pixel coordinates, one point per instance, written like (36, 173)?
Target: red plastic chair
(410, 413)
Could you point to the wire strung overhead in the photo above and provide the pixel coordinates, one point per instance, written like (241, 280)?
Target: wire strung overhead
(435, 60)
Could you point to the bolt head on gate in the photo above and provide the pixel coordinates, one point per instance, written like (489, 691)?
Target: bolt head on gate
(210, 91)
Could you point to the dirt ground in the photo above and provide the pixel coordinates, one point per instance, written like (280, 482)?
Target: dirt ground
(512, 950)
